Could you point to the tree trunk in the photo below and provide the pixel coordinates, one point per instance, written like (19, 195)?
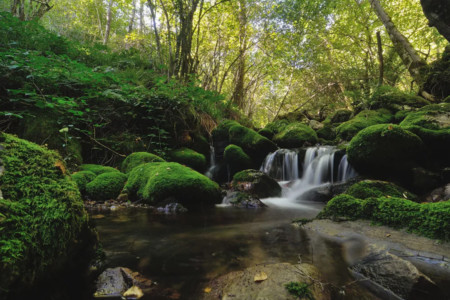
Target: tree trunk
(438, 15)
(239, 93)
(405, 50)
(380, 58)
(133, 16)
(151, 5)
(141, 18)
(108, 23)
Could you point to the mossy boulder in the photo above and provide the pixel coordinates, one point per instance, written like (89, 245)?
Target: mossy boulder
(106, 186)
(200, 144)
(273, 128)
(82, 178)
(168, 181)
(384, 149)
(254, 144)
(296, 135)
(236, 159)
(42, 219)
(138, 158)
(377, 188)
(428, 219)
(364, 119)
(190, 158)
(432, 124)
(256, 183)
(97, 169)
(340, 116)
(221, 132)
(438, 78)
(393, 99)
(327, 133)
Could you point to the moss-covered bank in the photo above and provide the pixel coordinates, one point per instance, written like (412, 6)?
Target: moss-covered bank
(42, 220)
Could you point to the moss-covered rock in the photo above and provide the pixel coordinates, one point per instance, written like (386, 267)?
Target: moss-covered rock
(432, 124)
(340, 116)
(190, 158)
(254, 144)
(256, 183)
(384, 149)
(82, 178)
(164, 181)
(236, 159)
(295, 135)
(106, 186)
(376, 188)
(273, 128)
(97, 169)
(393, 99)
(221, 132)
(364, 119)
(429, 219)
(200, 144)
(138, 158)
(42, 218)
(327, 133)
(438, 79)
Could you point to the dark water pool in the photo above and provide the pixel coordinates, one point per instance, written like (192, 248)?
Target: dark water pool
(182, 253)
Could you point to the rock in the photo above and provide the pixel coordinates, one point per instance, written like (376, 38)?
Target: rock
(256, 183)
(384, 150)
(296, 135)
(387, 274)
(243, 200)
(190, 158)
(341, 115)
(172, 208)
(325, 193)
(364, 119)
(106, 186)
(117, 282)
(157, 182)
(241, 284)
(236, 159)
(315, 125)
(440, 194)
(425, 180)
(138, 158)
(377, 188)
(393, 99)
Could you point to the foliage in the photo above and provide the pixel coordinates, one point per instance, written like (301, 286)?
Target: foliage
(364, 119)
(393, 99)
(42, 213)
(106, 186)
(384, 149)
(190, 158)
(295, 135)
(428, 219)
(138, 158)
(161, 181)
(299, 289)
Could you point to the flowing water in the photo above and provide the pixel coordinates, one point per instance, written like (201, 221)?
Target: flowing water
(184, 252)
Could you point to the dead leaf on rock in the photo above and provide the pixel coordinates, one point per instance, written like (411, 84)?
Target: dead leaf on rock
(261, 276)
(207, 290)
(133, 292)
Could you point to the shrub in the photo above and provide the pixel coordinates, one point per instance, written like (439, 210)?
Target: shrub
(138, 158)
(106, 186)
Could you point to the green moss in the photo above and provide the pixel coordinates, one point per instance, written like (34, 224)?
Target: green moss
(157, 182)
(393, 99)
(190, 158)
(82, 178)
(138, 158)
(364, 119)
(267, 133)
(327, 133)
(97, 169)
(384, 149)
(221, 132)
(295, 135)
(300, 290)
(254, 144)
(429, 219)
(106, 186)
(200, 144)
(376, 188)
(41, 214)
(236, 159)
(257, 183)
(340, 116)
(276, 127)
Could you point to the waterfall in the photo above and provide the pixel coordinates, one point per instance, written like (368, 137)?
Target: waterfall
(319, 168)
(212, 163)
(282, 165)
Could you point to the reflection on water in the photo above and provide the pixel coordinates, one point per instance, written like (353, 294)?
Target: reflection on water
(185, 252)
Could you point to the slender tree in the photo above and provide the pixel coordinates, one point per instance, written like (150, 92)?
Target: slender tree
(108, 22)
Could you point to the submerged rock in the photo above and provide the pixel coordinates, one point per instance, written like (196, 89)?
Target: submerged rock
(118, 282)
(389, 276)
(243, 285)
(243, 200)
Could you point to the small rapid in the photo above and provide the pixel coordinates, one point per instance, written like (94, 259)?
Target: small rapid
(322, 165)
